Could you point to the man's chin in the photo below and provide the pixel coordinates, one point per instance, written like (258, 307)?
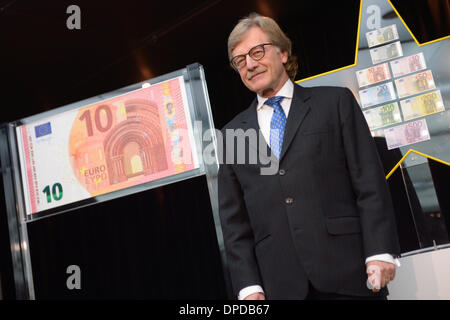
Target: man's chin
(255, 87)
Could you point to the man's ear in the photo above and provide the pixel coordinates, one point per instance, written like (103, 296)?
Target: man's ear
(284, 56)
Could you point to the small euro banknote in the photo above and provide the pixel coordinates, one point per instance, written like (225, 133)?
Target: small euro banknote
(407, 133)
(113, 144)
(382, 35)
(376, 95)
(407, 65)
(383, 116)
(373, 75)
(415, 83)
(386, 52)
(422, 105)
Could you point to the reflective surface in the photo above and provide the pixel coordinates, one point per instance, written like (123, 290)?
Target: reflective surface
(429, 213)
(159, 244)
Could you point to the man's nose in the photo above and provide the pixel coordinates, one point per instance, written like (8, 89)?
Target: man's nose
(251, 64)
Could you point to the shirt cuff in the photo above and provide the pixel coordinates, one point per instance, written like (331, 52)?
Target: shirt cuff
(244, 293)
(386, 257)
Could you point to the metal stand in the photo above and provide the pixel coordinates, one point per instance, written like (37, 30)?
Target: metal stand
(23, 276)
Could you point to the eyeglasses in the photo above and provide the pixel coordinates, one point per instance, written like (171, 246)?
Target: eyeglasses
(256, 53)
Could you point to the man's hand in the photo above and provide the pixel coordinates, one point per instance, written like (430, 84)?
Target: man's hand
(255, 296)
(380, 273)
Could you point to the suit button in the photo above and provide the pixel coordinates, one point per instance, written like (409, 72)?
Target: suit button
(282, 172)
(289, 201)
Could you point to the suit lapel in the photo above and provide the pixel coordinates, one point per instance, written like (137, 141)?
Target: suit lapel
(250, 121)
(249, 118)
(297, 112)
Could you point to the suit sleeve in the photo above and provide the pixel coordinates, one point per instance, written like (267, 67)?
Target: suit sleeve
(237, 231)
(367, 176)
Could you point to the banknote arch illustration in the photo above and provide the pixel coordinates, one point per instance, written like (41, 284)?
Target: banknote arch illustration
(133, 147)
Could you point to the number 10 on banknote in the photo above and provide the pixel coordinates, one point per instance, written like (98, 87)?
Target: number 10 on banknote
(131, 139)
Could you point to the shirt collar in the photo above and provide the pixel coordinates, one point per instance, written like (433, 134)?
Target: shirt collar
(287, 91)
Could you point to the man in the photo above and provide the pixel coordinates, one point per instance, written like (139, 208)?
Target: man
(316, 227)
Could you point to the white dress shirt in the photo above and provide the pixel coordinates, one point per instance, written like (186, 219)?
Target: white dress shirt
(264, 113)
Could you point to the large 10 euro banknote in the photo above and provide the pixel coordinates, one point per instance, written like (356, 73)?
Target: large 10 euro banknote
(114, 144)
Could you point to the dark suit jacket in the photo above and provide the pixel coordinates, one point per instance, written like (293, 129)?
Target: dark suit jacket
(325, 210)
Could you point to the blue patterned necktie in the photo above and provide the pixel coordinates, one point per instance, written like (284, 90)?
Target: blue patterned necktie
(277, 125)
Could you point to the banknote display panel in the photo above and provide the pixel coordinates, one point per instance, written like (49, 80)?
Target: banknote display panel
(383, 116)
(406, 134)
(141, 136)
(386, 52)
(382, 35)
(377, 95)
(414, 84)
(373, 75)
(407, 65)
(422, 105)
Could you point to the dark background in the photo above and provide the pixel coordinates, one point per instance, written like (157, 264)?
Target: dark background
(158, 244)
